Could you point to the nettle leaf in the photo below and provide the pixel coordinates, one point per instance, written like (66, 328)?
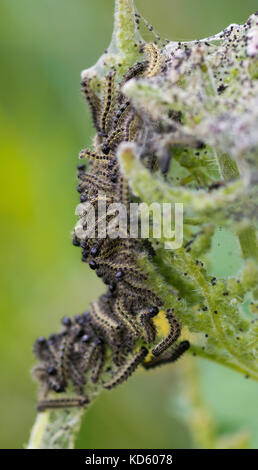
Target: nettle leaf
(202, 109)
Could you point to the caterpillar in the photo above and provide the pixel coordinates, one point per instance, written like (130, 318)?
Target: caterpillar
(120, 324)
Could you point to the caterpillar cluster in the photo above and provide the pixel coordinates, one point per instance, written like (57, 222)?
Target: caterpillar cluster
(120, 325)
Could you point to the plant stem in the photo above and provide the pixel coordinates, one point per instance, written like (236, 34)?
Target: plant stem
(198, 416)
(125, 31)
(198, 351)
(122, 51)
(248, 242)
(199, 419)
(227, 167)
(56, 429)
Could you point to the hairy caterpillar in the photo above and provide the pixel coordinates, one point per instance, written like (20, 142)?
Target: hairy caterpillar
(121, 323)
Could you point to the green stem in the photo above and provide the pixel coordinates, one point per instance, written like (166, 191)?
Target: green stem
(227, 167)
(248, 241)
(56, 429)
(199, 419)
(198, 351)
(123, 50)
(125, 29)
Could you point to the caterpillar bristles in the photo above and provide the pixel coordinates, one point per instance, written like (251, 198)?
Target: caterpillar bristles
(128, 368)
(173, 335)
(122, 319)
(155, 59)
(43, 405)
(93, 101)
(168, 357)
(108, 103)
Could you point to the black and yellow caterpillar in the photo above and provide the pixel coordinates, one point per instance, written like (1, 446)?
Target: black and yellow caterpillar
(120, 324)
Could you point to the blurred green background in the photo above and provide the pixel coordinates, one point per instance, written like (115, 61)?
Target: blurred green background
(44, 123)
